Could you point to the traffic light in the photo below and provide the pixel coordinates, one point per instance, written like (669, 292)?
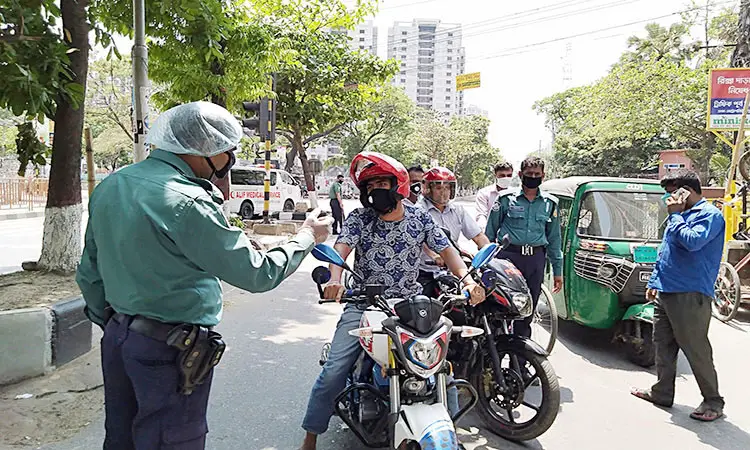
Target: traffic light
(263, 120)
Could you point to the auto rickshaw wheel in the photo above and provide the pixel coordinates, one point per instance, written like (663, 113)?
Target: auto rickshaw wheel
(728, 293)
(640, 351)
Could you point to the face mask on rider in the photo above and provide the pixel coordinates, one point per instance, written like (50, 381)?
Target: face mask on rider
(221, 173)
(503, 183)
(381, 200)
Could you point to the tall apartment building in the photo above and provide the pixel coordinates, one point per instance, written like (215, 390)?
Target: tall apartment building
(431, 56)
(364, 37)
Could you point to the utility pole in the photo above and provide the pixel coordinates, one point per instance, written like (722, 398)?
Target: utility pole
(140, 81)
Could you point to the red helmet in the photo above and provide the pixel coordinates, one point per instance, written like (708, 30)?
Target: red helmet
(368, 165)
(440, 175)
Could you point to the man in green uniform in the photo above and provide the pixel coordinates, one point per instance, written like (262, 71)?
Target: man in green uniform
(529, 216)
(156, 246)
(337, 204)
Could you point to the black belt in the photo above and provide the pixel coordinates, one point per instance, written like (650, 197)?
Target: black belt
(148, 327)
(525, 250)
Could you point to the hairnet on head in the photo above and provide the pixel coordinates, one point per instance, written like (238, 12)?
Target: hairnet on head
(197, 128)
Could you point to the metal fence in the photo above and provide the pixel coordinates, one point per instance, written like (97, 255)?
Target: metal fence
(27, 193)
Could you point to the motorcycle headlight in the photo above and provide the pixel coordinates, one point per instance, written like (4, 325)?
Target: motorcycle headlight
(522, 302)
(424, 356)
(425, 353)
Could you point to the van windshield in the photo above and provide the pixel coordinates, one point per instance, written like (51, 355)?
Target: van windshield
(637, 216)
(246, 177)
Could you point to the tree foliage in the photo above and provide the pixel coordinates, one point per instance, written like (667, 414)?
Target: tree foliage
(108, 96)
(112, 149)
(653, 99)
(325, 87)
(386, 124)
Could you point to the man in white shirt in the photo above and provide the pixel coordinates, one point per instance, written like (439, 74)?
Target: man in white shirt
(440, 190)
(487, 196)
(416, 173)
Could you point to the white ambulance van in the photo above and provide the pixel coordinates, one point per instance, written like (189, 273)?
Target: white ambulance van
(246, 191)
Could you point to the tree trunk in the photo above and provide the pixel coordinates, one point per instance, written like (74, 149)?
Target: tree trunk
(299, 149)
(741, 55)
(61, 242)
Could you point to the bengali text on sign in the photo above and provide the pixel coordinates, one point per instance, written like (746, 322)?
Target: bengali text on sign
(726, 100)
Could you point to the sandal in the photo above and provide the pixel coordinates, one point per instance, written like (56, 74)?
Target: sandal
(706, 413)
(645, 394)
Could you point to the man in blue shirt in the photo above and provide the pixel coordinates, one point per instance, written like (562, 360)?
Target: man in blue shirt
(682, 285)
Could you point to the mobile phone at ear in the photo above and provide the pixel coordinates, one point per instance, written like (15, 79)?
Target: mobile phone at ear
(681, 195)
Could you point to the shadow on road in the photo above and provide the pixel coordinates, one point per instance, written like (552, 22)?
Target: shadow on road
(597, 347)
(718, 434)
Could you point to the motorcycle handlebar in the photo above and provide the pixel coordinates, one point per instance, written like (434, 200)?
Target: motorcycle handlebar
(350, 296)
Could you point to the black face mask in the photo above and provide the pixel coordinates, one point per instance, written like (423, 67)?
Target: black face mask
(381, 200)
(416, 188)
(531, 182)
(221, 173)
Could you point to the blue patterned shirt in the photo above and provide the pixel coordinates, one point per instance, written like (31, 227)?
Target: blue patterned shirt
(388, 253)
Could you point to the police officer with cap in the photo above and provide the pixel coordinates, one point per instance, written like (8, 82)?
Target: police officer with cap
(157, 245)
(530, 217)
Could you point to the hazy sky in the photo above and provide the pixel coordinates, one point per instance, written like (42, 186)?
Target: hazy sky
(519, 50)
(501, 40)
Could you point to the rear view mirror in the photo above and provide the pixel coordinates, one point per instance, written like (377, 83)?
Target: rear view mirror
(321, 275)
(327, 254)
(489, 279)
(485, 255)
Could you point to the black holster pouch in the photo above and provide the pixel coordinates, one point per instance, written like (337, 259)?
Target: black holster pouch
(200, 350)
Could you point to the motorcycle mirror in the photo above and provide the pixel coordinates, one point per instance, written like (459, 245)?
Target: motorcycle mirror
(489, 279)
(324, 253)
(485, 255)
(327, 254)
(321, 275)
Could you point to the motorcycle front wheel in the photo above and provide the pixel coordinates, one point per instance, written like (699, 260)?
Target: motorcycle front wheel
(528, 406)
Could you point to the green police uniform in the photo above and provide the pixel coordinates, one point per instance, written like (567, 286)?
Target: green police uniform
(335, 189)
(157, 244)
(534, 223)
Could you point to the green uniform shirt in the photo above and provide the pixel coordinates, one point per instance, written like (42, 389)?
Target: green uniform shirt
(534, 223)
(157, 244)
(335, 189)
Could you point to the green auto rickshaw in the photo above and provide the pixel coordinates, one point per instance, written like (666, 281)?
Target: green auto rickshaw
(611, 231)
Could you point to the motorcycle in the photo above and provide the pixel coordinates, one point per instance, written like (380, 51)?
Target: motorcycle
(396, 394)
(507, 371)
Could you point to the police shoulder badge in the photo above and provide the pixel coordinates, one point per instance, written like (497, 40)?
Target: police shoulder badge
(496, 206)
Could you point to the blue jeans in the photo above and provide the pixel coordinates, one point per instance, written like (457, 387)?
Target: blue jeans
(345, 350)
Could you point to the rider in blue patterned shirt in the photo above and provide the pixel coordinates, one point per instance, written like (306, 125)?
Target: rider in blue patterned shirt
(388, 238)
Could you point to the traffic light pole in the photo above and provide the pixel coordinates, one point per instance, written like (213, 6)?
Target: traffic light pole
(264, 123)
(267, 181)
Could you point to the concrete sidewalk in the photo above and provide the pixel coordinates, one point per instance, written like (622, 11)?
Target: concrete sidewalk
(21, 213)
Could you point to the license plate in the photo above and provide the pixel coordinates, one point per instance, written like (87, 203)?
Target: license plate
(644, 277)
(644, 254)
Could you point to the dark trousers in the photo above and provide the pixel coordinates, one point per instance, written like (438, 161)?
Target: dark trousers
(681, 323)
(338, 215)
(144, 410)
(532, 268)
